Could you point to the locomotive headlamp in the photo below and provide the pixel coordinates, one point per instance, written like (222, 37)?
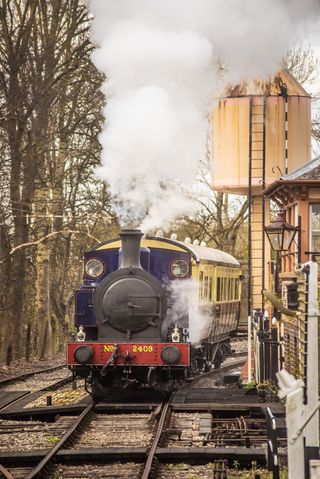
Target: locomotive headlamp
(170, 355)
(83, 354)
(81, 335)
(179, 268)
(94, 267)
(175, 336)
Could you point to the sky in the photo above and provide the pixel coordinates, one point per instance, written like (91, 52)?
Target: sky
(161, 59)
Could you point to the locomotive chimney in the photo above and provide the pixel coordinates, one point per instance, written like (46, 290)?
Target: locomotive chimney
(130, 243)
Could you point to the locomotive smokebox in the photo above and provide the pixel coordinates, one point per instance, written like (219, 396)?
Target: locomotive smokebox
(130, 302)
(130, 252)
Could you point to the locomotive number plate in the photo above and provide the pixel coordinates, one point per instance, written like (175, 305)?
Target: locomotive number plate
(146, 348)
(135, 348)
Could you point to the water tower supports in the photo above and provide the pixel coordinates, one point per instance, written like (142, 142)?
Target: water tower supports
(259, 256)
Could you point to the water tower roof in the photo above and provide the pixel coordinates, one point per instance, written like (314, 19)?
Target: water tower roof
(283, 83)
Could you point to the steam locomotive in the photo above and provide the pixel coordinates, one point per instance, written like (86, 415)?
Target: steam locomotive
(139, 321)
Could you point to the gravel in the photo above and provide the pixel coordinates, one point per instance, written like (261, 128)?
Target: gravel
(187, 471)
(32, 435)
(117, 430)
(21, 366)
(64, 396)
(37, 382)
(129, 470)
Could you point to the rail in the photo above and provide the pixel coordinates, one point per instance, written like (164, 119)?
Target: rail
(37, 471)
(5, 474)
(151, 456)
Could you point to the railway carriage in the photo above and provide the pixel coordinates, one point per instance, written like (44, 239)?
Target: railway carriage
(152, 312)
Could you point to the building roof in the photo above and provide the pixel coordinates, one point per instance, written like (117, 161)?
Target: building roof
(283, 83)
(305, 175)
(309, 171)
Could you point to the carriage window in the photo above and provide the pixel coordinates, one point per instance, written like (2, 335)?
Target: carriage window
(237, 288)
(201, 285)
(206, 287)
(218, 289)
(233, 295)
(210, 289)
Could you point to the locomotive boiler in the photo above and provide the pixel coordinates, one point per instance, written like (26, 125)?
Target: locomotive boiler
(133, 317)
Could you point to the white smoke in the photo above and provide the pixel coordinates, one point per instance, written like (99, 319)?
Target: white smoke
(160, 59)
(185, 303)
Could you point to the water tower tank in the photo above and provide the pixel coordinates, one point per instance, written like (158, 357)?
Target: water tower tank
(261, 127)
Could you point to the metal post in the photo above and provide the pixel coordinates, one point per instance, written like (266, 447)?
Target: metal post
(249, 350)
(292, 389)
(250, 212)
(312, 429)
(306, 270)
(277, 285)
(273, 460)
(261, 346)
(281, 348)
(274, 350)
(267, 361)
(256, 346)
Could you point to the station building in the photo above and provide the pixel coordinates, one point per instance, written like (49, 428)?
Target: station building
(297, 194)
(261, 133)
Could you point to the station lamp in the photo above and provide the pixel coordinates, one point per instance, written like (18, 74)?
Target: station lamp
(280, 234)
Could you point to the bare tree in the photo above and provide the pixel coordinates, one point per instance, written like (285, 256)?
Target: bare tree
(50, 118)
(219, 220)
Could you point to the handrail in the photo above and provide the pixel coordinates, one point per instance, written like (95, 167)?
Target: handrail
(277, 304)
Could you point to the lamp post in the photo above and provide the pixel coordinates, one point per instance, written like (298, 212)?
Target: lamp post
(280, 235)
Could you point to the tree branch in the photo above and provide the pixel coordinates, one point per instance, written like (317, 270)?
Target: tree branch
(54, 233)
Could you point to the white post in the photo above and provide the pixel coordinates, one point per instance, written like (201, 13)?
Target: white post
(292, 389)
(312, 429)
(256, 350)
(249, 350)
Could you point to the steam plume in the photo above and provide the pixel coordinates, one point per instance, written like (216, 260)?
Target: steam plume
(160, 59)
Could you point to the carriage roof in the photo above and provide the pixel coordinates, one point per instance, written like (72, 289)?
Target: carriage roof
(204, 253)
(199, 253)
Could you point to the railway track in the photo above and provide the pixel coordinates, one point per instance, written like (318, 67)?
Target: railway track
(177, 439)
(16, 388)
(163, 441)
(22, 377)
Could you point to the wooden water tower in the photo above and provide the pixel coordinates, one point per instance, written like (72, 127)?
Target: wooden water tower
(261, 131)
